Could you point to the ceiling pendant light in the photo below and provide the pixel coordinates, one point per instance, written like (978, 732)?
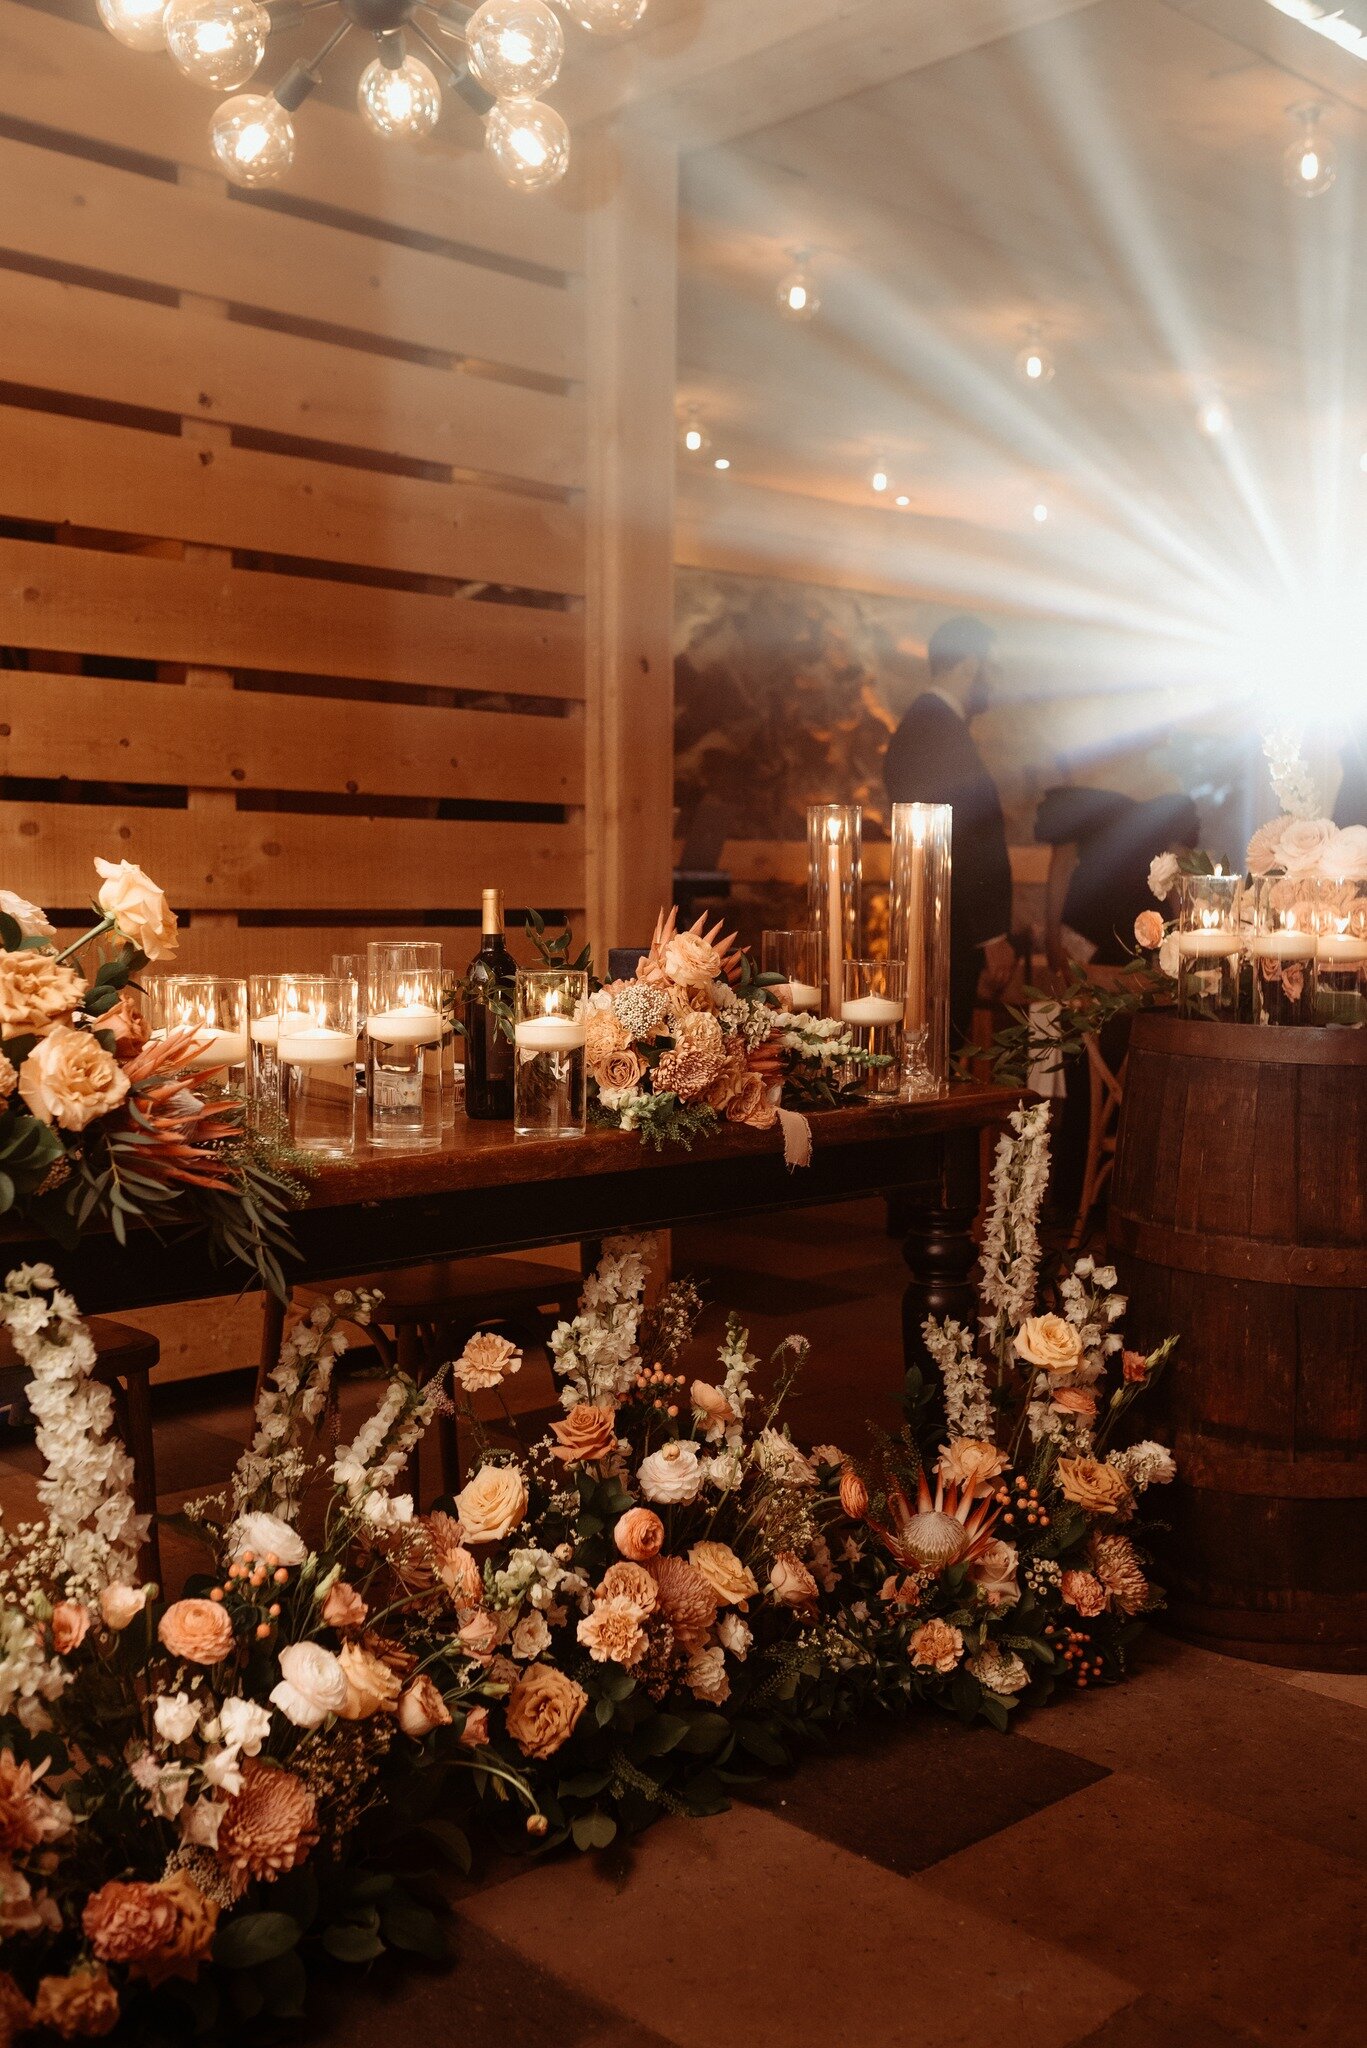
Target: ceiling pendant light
(797, 295)
(694, 439)
(879, 480)
(497, 58)
(1308, 167)
(1213, 418)
(1039, 512)
(1034, 363)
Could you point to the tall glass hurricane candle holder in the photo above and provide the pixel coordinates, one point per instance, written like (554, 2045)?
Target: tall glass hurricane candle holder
(403, 1037)
(797, 957)
(355, 967)
(1282, 946)
(919, 934)
(834, 883)
(549, 1068)
(1209, 944)
(263, 1011)
(873, 1010)
(317, 1049)
(215, 1008)
(1341, 951)
(452, 1071)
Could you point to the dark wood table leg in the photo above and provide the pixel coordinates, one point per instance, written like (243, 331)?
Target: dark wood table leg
(137, 1421)
(938, 1247)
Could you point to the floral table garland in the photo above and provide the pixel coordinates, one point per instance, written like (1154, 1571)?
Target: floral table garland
(100, 1126)
(629, 1616)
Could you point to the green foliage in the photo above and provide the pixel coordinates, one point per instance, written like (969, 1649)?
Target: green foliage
(1085, 1008)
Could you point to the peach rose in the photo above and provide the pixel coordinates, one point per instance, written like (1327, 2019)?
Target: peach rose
(1262, 855)
(543, 1709)
(619, 1070)
(690, 961)
(751, 1104)
(936, 1646)
(586, 1436)
(127, 1026)
(35, 991)
(970, 1461)
(80, 2007)
(475, 1733)
(790, 1582)
(1090, 1484)
(478, 1637)
(732, 1582)
(422, 1708)
(1148, 930)
(344, 1607)
(69, 1079)
(639, 1535)
(492, 1504)
(993, 1572)
(1049, 1342)
(121, 1604)
(70, 1620)
(1083, 1591)
(371, 1687)
(1079, 1401)
(129, 1922)
(199, 1631)
(138, 907)
(854, 1495)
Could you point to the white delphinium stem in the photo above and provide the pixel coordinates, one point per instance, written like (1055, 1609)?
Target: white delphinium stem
(87, 1487)
(596, 1353)
(1011, 1246)
(384, 1444)
(1296, 789)
(274, 1472)
(968, 1404)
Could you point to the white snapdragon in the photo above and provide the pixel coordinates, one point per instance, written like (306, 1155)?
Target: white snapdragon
(1011, 1246)
(595, 1353)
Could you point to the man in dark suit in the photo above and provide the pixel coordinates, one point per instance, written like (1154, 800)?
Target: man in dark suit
(932, 759)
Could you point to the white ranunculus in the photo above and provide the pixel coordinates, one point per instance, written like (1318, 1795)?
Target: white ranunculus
(1304, 843)
(244, 1724)
(672, 1474)
(32, 921)
(223, 1770)
(1169, 954)
(1163, 876)
(266, 1536)
(176, 1716)
(121, 1604)
(312, 1685)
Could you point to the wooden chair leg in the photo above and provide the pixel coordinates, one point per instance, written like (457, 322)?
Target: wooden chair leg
(137, 1406)
(272, 1337)
(410, 1361)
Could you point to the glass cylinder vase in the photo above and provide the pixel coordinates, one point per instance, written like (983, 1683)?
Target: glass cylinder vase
(797, 957)
(215, 1008)
(317, 1050)
(355, 967)
(918, 932)
(550, 1073)
(263, 1013)
(1209, 947)
(873, 1010)
(1282, 949)
(403, 1036)
(834, 887)
(1341, 951)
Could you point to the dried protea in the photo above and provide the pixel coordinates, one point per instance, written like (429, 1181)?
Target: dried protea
(694, 957)
(175, 1130)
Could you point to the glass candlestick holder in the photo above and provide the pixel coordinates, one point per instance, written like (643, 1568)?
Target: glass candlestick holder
(317, 1048)
(834, 884)
(918, 932)
(215, 1008)
(1282, 949)
(403, 1037)
(1341, 951)
(355, 967)
(263, 1026)
(873, 1010)
(797, 957)
(1209, 947)
(550, 1074)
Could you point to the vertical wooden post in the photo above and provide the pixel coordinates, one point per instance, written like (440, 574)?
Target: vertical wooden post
(631, 287)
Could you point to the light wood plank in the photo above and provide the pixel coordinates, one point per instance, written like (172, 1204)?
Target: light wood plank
(64, 337)
(262, 860)
(63, 209)
(72, 76)
(79, 472)
(80, 601)
(309, 949)
(97, 730)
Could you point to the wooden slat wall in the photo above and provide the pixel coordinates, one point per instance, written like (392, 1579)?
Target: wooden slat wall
(292, 538)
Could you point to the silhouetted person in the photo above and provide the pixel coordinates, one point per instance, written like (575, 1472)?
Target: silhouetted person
(1108, 885)
(932, 759)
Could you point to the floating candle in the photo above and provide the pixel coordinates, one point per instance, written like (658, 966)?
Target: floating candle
(217, 1049)
(316, 1046)
(549, 1034)
(797, 997)
(1212, 945)
(406, 1027)
(1284, 945)
(1341, 949)
(265, 1030)
(871, 1010)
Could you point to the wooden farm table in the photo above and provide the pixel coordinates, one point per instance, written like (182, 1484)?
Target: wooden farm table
(485, 1191)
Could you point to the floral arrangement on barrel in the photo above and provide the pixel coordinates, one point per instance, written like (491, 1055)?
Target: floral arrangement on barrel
(699, 1039)
(99, 1124)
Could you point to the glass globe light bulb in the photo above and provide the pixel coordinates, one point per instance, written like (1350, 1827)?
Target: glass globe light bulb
(404, 101)
(606, 17)
(217, 43)
(253, 139)
(1213, 418)
(1039, 513)
(879, 480)
(1034, 363)
(529, 142)
(516, 47)
(135, 23)
(797, 295)
(1308, 167)
(694, 439)
(723, 462)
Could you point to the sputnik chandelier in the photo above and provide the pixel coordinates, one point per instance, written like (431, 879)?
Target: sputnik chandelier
(497, 58)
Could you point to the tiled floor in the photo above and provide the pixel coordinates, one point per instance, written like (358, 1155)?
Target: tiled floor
(1176, 1863)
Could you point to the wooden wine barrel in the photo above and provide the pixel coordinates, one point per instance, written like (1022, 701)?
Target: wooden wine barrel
(1239, 1218)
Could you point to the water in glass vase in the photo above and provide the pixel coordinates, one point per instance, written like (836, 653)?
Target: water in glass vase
(488, 1050)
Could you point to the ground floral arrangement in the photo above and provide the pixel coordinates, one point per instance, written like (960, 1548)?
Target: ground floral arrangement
(656, 1601)
(100, 1127)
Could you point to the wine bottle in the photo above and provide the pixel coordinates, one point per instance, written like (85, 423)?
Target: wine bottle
(488, 1052)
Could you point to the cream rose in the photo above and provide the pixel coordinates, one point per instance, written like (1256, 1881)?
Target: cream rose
(121, 1604)
(970, 1461)
(69, 1079)
(267, 1537)
(371, 1687)
(672, 1474)
(993, 1572)
(586, 1436)
(422, 1708)
(32, 922)
(1163, 875)
(35, 991)
(1089, 1484)
(790, 1582)
(732, 1582)
(690, 961)
(543, 1709)
(138, 907)
(1049, 1342)
(1262, 855)
(1345, 858)
(492, 1504)
(1303, 844)
(312, 1685)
